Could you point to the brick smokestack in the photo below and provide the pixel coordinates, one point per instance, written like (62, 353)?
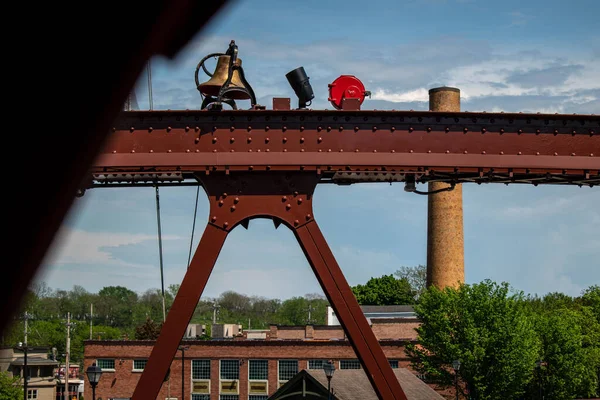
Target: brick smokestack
(445, 239)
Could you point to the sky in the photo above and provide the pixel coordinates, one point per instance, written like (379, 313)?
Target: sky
(535, 56)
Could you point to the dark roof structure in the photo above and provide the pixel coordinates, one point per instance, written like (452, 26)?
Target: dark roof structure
(351, 384)
(387, 309)
(33, 361)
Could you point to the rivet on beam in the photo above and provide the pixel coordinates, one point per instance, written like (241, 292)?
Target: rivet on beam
(328, 129)
(214, 140)
(187, 128)
(131, 129)
(501, 131)
(411, 129)
(150, 129)
(393, 128)
(249, 140)
(483, 130)
(168, 129)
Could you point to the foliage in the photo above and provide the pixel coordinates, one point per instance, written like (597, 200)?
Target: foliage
(416, 277)
(486, 329)
(149, 330)
(10, 388)
(571, 367)
(385, 290)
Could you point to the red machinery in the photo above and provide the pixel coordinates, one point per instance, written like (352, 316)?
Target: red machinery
(347, 87)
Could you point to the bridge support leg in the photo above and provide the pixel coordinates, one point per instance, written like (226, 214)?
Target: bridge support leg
(180, 313)
(286, 198)
(348, 311)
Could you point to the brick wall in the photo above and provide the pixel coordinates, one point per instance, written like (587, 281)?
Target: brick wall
(123, 380)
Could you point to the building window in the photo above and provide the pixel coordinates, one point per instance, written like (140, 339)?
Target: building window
(315, 364)
(200, 379)
(200, 369)
(139, 365)
(230, 369)
(229, 397)
(287, 369)
(32, 394)
(258, 370)
(106, 363)
(258, 378)
(349, 364)
(258, 397)
(394, 364)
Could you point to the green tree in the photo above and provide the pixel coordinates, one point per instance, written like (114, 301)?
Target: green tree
(591, 298)
(486, 329)
(416, 276)
(10, 388)
(569, 353)
(116, 304)
(385, 290)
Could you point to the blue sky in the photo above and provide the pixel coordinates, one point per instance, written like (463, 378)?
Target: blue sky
(536, 56)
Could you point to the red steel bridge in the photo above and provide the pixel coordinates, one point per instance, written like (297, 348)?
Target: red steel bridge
(267, 163)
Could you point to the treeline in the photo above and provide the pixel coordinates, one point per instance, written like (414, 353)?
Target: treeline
(116, 312)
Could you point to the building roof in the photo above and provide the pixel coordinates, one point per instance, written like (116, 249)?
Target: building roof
(351, 384)
(387, 309)
(33, 361)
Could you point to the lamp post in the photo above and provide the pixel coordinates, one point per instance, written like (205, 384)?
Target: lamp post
(456, 367)
(329, 369)
(183, 349)
(23, 346)
(93, 373)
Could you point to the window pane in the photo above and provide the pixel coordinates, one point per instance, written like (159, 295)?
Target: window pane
(315, 364)
(200, 396)
(349, 364)
(230, 369)
(200, 369)
(287, 369)
(259, 369)
(228, 397)
(394, 363)
(106, 363)
(139, 364)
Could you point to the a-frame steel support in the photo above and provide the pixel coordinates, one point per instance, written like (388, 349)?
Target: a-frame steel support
(285, 197)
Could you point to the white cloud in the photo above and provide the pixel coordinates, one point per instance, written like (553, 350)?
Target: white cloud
(421, 94)
(79, 247)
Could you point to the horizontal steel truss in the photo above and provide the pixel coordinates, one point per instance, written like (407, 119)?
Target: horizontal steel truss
(285, 197)
(355, 146)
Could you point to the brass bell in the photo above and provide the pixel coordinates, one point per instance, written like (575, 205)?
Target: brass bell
(212, 86)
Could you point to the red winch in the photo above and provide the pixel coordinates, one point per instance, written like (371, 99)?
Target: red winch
(347, 87)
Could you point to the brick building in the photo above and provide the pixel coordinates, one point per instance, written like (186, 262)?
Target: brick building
(250, 366)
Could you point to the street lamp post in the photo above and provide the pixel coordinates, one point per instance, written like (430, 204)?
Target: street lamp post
(183, 349)
(93, 373)
(456, 367)
(329, 369)
(23, 346)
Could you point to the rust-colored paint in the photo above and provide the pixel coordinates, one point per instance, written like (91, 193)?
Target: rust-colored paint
(285, 197)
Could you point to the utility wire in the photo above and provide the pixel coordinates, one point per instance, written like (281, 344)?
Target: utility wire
(160, 253)
(149, 73)
(193, 226)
